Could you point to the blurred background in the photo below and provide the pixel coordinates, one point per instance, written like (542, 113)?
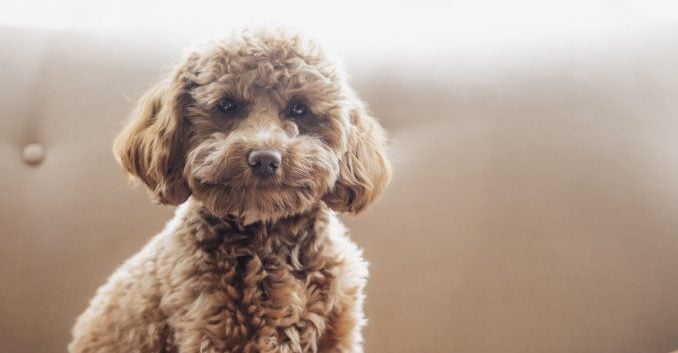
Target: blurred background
(534, 206)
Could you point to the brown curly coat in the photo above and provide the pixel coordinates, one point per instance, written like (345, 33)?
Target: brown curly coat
(246, 264)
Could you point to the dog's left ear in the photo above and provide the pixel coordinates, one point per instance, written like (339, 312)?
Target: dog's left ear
(364, 169)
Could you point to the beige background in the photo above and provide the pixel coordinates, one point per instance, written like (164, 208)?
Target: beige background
(534, 206)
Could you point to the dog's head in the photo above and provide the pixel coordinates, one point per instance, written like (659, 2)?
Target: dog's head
(259, 126)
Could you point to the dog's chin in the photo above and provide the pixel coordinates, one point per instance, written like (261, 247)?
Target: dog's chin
(257, 203)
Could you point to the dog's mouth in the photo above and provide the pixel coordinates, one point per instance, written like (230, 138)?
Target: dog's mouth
(241, 178)
(260, 201)
(227, 184)
(237, 192)
(259, 189)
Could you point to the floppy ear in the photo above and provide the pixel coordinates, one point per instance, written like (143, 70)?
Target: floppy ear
(364, 169)
(151, 146)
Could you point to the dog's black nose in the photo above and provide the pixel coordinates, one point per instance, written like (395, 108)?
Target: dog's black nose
(264, 163)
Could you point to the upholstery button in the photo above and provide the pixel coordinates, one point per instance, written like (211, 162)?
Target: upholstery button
(33, 153)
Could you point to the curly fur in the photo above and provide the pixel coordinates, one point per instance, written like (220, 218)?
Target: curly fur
(247, 264)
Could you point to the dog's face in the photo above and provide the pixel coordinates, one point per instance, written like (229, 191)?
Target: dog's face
(259, 126)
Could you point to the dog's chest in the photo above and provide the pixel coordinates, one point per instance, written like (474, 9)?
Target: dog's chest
(263, 290)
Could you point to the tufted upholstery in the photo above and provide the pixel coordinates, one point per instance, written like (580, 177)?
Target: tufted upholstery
(534, 206)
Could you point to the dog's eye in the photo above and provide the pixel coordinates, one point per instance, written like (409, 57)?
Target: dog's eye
(228, 106)
(297, 110)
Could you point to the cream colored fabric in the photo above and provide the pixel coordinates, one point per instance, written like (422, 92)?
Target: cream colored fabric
(534, 205)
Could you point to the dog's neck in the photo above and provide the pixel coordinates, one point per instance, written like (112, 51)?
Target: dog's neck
(210, 230)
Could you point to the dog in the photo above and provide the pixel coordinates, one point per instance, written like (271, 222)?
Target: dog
(260, 141)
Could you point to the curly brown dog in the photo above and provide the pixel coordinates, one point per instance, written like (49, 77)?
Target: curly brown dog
(261, 140)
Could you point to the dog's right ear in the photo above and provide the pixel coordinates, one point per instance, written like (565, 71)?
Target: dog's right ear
(151, 146)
